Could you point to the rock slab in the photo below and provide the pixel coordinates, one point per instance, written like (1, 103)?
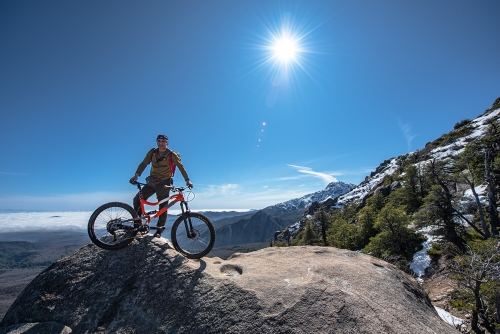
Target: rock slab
(148, 287)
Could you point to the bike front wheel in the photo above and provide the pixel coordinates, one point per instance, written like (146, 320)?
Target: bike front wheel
(111, 225)
(193, 235)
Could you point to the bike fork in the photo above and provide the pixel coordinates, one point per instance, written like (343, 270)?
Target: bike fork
(187, 222)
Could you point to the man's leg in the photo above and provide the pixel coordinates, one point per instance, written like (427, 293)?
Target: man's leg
(162, 193)
(147, 191)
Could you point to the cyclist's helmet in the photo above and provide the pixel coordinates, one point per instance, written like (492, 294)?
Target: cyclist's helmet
(162, 137)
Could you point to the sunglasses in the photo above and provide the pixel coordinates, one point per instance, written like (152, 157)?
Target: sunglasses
(162, 140)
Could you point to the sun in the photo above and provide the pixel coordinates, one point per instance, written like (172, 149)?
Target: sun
(288, 50)
(285, 48)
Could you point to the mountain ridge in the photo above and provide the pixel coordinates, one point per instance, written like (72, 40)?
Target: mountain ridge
(263, 224)
(332, 190)
(446, 146)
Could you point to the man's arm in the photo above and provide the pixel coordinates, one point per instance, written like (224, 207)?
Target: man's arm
(177, 161)
(142, 166)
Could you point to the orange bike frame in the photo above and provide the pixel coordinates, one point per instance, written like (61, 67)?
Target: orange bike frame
(174, 199)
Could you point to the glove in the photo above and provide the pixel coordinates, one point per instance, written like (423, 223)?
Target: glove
(189, 184)
(133, 179)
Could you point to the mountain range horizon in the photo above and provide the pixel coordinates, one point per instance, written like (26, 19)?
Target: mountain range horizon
(251, 230)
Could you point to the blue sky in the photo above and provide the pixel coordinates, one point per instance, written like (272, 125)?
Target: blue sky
(85, 87)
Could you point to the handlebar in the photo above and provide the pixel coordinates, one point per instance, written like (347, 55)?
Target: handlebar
(174, 189)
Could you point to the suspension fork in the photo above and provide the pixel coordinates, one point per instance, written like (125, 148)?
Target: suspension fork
(141, 205)
(187, 222)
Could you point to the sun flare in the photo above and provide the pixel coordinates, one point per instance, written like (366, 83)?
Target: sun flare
(285, 48)
(287, 51)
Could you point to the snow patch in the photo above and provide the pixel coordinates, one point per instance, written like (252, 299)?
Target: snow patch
(294, 227)
(481, 192)
(332, 190)
(421, 260)
(450, 319)
(364, 188)
(458, 146)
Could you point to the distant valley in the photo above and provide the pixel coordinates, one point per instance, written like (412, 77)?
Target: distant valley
(23, 255)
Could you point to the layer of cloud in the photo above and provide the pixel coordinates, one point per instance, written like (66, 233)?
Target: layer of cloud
(222, 189)
(39, 221)
(360, 171)
(328, 178)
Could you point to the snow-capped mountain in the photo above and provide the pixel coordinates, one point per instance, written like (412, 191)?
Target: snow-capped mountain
(371, 182)
(262, 225)
(438, 150)
(447, 146)
(332, 190)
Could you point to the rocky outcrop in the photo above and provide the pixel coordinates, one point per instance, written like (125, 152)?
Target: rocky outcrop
(380, 189)
(380, 168)
(149, 288)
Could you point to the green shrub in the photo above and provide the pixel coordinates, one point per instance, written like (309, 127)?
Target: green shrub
(450, 137)
(343, 235)
(307, 237)
(435, 250)
(280, 244)
(396, 237)
(461, 123)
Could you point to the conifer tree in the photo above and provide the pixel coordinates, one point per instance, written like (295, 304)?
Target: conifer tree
(484, 157)
(309, 236)
(411, 192)
(438, 208)
(395, 238)
(477, 273)
(466, 171)
(324, 219)
(492, 194)
(366, 221)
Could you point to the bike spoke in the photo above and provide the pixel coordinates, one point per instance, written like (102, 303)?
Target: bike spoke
(195, 242)
(111, 225)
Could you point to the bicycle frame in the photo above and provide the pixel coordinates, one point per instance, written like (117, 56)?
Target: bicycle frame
(175, 198)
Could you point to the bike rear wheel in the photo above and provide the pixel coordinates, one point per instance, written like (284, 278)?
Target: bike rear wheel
(193, 235)
(110, 226)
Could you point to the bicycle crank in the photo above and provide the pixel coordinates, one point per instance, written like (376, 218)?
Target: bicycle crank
(144, 229)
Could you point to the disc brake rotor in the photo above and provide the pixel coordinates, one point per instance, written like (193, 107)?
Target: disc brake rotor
(195, 234)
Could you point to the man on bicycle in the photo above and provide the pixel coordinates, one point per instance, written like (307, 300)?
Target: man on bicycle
(163, 162)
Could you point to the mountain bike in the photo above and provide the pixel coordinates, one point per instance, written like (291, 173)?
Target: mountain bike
(115, 225)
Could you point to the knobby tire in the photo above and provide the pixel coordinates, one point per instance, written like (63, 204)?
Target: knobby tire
(98, 225)
(198, 245)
